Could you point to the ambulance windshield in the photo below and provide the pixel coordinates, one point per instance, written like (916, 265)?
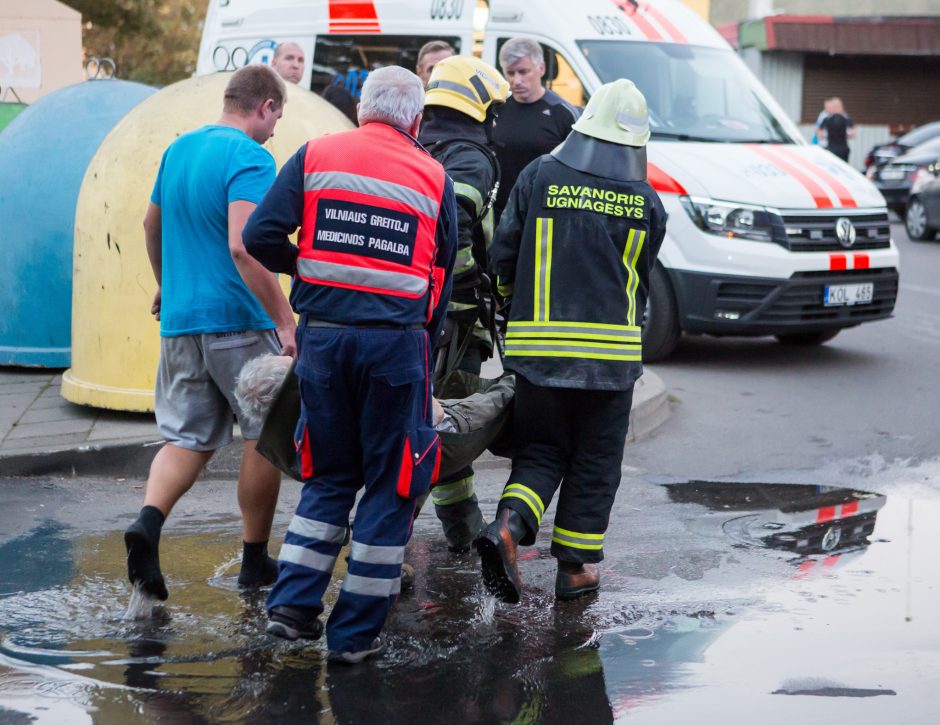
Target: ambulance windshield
(694, 93)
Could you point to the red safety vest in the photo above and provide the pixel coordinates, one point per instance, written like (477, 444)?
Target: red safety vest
(371, 203)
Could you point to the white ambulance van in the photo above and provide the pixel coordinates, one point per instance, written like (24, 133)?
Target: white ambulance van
(767, 234)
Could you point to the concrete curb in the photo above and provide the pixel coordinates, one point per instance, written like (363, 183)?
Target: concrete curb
(131, 458)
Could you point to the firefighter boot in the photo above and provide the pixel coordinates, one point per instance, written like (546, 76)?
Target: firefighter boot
(575, 579)
(463, 523)
(497, 548)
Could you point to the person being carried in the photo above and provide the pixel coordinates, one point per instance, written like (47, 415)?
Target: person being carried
(373, 268)
(585, 218)
(462, 95)
(217, 308)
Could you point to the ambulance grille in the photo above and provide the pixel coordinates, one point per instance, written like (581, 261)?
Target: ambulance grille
(817, 233)
(801, 299)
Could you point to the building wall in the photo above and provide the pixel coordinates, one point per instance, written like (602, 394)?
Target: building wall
(782, 75)
(40, 47)
(732, 11)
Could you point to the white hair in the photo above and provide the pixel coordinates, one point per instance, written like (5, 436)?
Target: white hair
(392, 95)
(516, 49)
(258, 384)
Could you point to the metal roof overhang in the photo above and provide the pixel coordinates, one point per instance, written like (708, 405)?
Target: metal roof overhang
(843, 36)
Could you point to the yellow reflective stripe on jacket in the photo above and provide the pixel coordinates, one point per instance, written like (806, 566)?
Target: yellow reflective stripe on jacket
(598, 341)
(465, 261)
(577, 540)
(504, 288)
(631, 253)
(543, 267)
(488, 224)
(574, 331)
(574, 348)
(526, 494)
(472, 193)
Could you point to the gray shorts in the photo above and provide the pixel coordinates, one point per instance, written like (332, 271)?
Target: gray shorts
(195, 392)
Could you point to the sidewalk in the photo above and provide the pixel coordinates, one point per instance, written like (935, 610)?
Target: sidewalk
(41, 433)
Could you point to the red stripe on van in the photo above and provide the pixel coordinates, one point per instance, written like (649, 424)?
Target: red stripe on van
(820, 198)
(353, 10)
(661, 181)
(642, 24)
(665, 23)
(845, 196)
(861, 261)
(838, 262)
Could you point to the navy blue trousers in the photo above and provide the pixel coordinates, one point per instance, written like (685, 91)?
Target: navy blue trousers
(365, 423)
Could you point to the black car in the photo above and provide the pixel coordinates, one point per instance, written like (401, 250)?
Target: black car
(922, 217)
(883, 153)
(895, 179)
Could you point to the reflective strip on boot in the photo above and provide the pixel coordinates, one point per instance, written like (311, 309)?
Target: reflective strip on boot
(317, 530)
(531, 498)
(370, 586)
(293, 554)
(446, 494)
(577, 540)
(371, 554)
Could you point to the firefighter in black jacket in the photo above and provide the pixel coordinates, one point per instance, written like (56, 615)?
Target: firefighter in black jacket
(573, 251)
(462, 93)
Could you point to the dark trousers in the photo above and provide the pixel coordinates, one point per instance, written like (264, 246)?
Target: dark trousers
(365, 423)
(572, 439)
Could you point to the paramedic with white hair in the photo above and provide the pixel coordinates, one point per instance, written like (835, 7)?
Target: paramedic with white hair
(373, 264)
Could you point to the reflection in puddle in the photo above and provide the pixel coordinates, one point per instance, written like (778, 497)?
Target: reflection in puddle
(687, 568)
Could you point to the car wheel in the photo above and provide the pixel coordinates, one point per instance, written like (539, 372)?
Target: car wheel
(661, 331)
(807, 339)
(915, 219)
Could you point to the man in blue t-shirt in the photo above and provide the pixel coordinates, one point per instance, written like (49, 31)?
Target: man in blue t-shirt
(218, 308)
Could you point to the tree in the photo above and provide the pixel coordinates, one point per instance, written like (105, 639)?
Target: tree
(150, 41)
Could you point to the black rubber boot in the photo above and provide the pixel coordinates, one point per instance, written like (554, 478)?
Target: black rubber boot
(258, 569)
(142, 541)
(463, 523)
(293, 623)
(497, 548)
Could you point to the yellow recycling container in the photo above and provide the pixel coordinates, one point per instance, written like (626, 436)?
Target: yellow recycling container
(115, 340)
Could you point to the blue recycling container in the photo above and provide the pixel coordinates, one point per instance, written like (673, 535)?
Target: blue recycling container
(44, 153)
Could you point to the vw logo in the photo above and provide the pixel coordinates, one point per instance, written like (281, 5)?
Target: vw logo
(832, 538)
(845, 232)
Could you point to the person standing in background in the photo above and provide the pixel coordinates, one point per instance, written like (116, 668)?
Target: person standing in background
(533, 121)
(837, 129)
(289, 62)
(431, 53)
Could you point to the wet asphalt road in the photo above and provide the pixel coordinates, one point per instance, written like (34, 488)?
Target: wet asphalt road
(771, 558)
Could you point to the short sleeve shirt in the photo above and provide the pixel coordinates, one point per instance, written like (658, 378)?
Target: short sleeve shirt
(201, 173)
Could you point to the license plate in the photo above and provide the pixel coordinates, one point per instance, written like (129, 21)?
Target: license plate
(892, 175)
(849, 294)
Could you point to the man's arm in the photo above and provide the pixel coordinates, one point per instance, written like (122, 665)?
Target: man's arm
(153, 236)
(277, 217)
(444, 261)
(262, 283)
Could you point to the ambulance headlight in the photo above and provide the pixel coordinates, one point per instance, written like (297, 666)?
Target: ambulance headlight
(735, 221)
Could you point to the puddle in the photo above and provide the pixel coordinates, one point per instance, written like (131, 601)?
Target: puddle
(710, 590)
